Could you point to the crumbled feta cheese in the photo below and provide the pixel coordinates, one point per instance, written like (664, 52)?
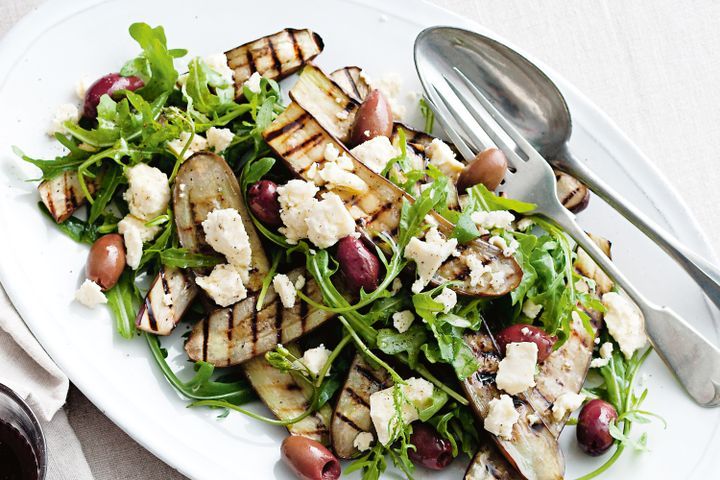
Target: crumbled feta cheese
(442, 156)
(533, 419)
(565, 403)
(531, 309)
(375, 153)
(218, 139)
(253, 83)
(345, 163)
(524, 224)
(339, 179)
(448, 298)
(396, 286)
(480, 274)
(428, 256)
(285, 290)
(501, 417)
(148, 193)
(67, 112)
(81, 87)
(90, 294)
(418, 393)
(299, 282)
(315, 359)
(331, 152)
(486, 221)
(312, 174)
(403, 320)
(224, 285)
(342, 115)
(501, 243)
(297, 199)
(596, 341)
(599, 362)
(135, 233)
(516, 372)
(624, 322)
(606, 350)
(329, 221)
(225, 233)
(197, 144)
(363, 440)
(219, 63)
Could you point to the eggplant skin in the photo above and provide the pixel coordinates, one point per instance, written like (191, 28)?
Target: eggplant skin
(299, 139)
(352, 411)
(232, 335)
(63, 195)
(273, 56)
(352, 82)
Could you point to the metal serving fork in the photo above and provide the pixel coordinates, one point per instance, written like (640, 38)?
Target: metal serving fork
(472, 122)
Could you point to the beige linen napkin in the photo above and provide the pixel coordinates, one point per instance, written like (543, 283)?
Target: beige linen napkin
(28, 370)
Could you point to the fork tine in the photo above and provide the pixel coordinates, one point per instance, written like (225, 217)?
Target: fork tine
(491, 130)
(510, 130)
(468, 131)
(455, 138)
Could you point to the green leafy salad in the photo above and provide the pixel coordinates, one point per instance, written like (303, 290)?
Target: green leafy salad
(319, 255)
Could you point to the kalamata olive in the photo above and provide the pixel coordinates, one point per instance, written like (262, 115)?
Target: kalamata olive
(593, 428)
(263, 202)
(488, 168)
(108, 84)
(527, 333)
(106, 260)
(308, 459)
(358, 264)
(374, 118)
(431, 450)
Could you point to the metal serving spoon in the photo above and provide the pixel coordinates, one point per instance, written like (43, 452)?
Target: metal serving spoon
(533, 104)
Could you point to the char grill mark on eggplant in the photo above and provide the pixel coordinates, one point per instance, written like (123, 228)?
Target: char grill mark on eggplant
(564, 370)
(377, 210)
(63, 195)
(274, 56)
(170, 294)
(232, 335)
(287, 397)
(350, 80)
(352, 412)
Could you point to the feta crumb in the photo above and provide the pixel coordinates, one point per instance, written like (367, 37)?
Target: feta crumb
(606, 350)
(448, 298)
(67, 112)
(342, 115)
(375, 153)
(285, 290)
(297, 199)
(442, 156)
(566, 402)
(403, 320)
(531, 309)
(501, 417)
(396, 286)
(533, 419)
(624, 322)
(339, 179)
(81, 86)
(148, 193)
(428, 256)
(480, 274)
(315, 359)
(363, 440)
(516, 372)
(599, 362)
(331, 152)
(501, 243)
(224, 285)
(418, 393)
(345, 163)
(495, 219)
(524, 224)
(90, 294)
(218, 139)
(225, 233)
(328, 221)
(219, 63)
(299, 282)
(253, 83)
(135, 233)
(197, 144)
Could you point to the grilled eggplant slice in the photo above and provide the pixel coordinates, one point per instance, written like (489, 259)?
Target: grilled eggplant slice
(488, 464)
(287, 398)
(274, 56)
(533, 449)
(352, 412)
(298, 138)
(232, 335)
(572, 194)
(170, 294)
(205, 182)
(352, 82)
(62, 195)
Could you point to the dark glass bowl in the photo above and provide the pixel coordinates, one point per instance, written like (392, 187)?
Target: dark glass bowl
(24, 426)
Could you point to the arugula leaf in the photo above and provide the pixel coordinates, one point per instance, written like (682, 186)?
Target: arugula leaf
(124, 301)
(207, 89)
(427, 114)
(458, 426)
(480, 198)
(75, 228)
(391, 342)
(53, 168)
(183, 258)
(111, 180)
(155, 65)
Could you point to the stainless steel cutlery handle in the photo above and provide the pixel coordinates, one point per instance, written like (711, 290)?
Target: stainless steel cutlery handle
(705, 274)
(694, 359)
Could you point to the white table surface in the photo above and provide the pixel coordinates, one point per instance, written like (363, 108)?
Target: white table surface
(650, 65)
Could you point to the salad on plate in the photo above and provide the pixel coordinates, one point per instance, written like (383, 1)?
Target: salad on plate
(341, 266)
